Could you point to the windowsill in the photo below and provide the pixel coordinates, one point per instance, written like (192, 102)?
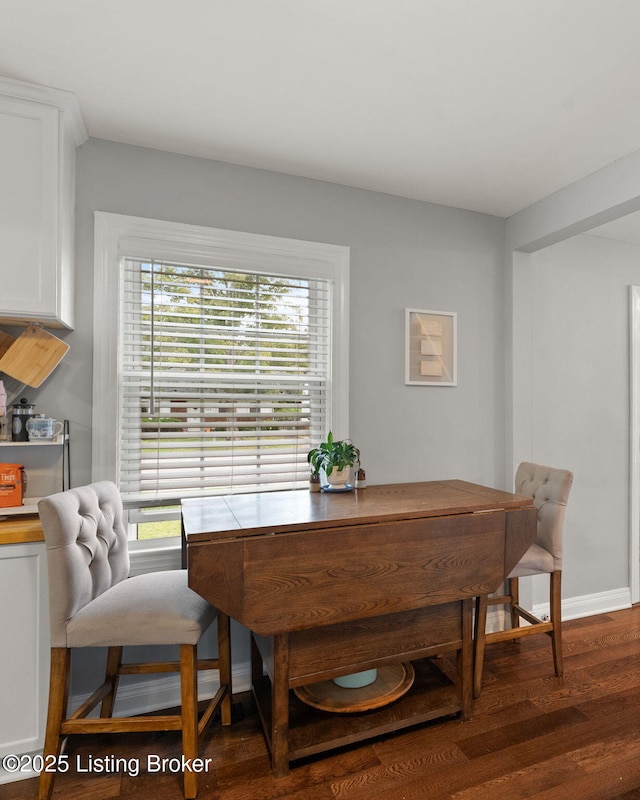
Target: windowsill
(155, 555)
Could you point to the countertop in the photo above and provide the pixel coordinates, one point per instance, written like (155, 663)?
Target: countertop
(20, 529)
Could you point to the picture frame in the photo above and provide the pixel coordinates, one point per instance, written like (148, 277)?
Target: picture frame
(430, 348)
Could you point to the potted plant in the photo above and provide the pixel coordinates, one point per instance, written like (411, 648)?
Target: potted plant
(333, 461)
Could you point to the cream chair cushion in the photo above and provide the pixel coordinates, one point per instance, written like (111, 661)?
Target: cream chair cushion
(158, 608)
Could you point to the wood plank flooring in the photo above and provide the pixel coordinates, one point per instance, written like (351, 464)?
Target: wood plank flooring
(531, 736)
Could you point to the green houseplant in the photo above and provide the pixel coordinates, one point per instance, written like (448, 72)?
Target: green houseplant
(337, 459)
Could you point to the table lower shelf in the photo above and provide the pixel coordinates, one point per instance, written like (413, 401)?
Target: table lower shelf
(312, 731)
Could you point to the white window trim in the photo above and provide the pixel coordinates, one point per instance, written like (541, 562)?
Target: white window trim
(117, 235)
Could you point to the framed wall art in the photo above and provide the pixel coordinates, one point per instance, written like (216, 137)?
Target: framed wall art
(430, 348)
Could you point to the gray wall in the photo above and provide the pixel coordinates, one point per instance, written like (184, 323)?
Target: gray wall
(403, 254)
(580, 399)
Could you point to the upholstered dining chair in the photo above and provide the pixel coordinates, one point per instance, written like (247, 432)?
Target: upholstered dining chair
(549, 488)
(94, 603)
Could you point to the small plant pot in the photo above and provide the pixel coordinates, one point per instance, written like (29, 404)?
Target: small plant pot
(356, 680)
(340, 480)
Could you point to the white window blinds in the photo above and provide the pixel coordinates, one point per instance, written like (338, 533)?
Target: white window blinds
(225, 378)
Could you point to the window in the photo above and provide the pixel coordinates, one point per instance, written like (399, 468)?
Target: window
(219, 360)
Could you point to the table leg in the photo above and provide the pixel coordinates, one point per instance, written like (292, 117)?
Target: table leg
(257, 665)
(465, 659)
(280, 706)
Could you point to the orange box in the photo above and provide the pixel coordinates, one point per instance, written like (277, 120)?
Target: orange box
(11, 485)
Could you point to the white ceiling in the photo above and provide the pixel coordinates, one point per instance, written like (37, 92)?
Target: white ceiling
(487, 105)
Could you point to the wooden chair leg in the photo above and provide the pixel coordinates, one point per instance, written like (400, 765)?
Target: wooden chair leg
(479, 643)
(58, 698)
(114, 659)
(556, 618)
(189, 696)
(224, 665)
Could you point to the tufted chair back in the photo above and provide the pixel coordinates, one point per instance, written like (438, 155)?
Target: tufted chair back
(549, 488)
(87, 549)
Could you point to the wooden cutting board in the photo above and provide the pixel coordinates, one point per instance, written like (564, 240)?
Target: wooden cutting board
(31, 357)
(5, 342)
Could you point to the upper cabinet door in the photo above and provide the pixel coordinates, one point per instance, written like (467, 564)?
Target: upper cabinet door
(37, 175)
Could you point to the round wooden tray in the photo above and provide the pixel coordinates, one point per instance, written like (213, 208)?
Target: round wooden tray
(392, 682)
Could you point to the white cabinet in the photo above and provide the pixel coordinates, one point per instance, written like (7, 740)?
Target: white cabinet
(24, 655)
(40, 129)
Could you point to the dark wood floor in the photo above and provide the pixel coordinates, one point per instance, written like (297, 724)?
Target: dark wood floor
(532, 735)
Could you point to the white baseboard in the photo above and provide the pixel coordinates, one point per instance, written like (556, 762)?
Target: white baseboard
(144, 694)
(572, 608)
(591, 604)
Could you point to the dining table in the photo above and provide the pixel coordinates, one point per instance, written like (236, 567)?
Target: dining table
(332, 584)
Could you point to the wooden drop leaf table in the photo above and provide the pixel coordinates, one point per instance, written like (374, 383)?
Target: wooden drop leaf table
(331, 584)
